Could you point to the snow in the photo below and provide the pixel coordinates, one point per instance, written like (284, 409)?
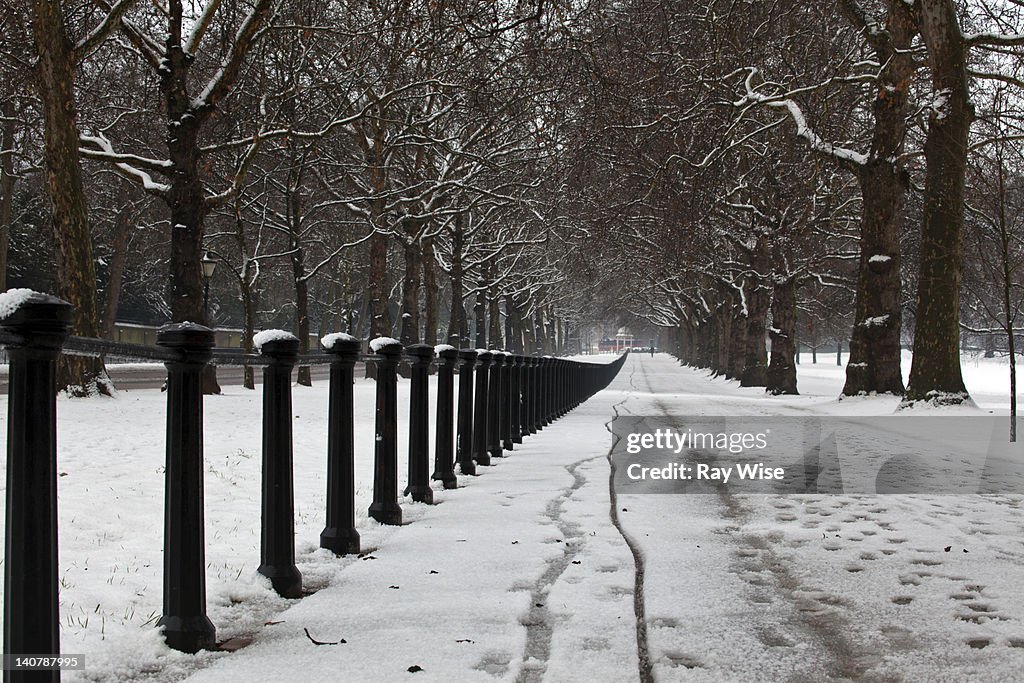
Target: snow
(12, 300)
(328, 341)
(879, 258)
(380, 342)
(444, 347)
(261, 338)
(939, 102)
(533, 580)
(875, 321)
(107, 152)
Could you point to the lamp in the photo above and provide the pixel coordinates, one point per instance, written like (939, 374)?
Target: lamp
(209, 265)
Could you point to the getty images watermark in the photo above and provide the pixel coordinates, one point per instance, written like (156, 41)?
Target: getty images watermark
(854, 455)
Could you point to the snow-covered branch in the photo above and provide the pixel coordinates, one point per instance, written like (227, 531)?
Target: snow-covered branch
(124, 168)
(102, 31)
(803, 129)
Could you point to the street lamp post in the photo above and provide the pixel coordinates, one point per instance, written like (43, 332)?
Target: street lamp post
(209, 266)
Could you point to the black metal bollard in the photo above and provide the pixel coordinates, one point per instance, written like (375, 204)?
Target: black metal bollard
(517, 399)
(495, 406)
(480, 409)
(277, 537)
(547, 367)
(505, 422)
(464, 448)
(340, 535)
(562, 377)
(556, 388)
(38, 328)
(444, 464)
(186, 626)
(385, 508)
(579, 369)
(525, 390)
(535, 386)
(419, 425)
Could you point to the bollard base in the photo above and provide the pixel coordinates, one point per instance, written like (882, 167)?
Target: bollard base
(189, 634)
(497, 452)
(340, 541)
(421, 493)
(518, 439)
(287, 581)
(468, 468)
(483, 459)
(507, 444)
(447, 480)
(386, 513)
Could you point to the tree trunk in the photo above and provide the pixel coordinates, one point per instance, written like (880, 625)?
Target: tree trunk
(185, 198)
(514, 325)
(480, 321)
(118, 257)
(297, 256)
(736, 350)
(540, 334)
(935, 373)
(76, 272)
(429, 293)
(755, 356)
(458, 328)
(529, 333)
(245, 287)
(494, 321)
(781, 378)
(411, 294)
(508, 323)
(380, 322)
(248, 330)
(6, 186)
(874, 364)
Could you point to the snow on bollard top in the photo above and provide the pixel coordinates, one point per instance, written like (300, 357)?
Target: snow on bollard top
(444, 347)
(329, 340)
(265, 336)
(13, 299)
(380, 342)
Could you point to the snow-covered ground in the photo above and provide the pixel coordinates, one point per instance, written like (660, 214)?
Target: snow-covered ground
(522, 573)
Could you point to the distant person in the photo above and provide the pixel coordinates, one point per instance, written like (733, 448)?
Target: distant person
(652, 352)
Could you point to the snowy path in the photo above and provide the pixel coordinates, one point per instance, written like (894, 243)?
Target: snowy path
(815, 587)
(527, 544)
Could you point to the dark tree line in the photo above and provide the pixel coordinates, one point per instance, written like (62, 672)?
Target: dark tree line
(516, 174)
